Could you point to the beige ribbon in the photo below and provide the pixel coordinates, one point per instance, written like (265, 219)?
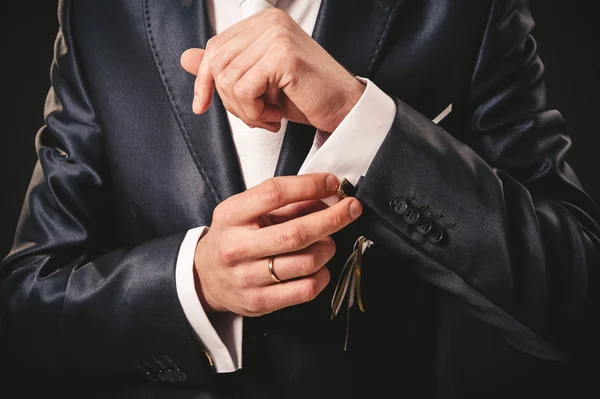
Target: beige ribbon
(349, 284)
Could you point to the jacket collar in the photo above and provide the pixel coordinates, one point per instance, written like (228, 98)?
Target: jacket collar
(352, 31)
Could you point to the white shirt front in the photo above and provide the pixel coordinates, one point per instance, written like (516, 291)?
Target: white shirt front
(347, 153)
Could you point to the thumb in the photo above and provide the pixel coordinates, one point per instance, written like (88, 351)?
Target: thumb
(191, 59)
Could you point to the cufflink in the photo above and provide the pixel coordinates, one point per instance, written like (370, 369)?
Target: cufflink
(346, 189)
(210, 361)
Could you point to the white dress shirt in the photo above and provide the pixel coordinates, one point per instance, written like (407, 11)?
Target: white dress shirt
(347, 153)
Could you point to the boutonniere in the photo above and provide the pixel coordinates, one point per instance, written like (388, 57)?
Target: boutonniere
(348, 288)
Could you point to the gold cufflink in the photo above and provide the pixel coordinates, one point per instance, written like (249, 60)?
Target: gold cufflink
(210, 361)
(346, 189)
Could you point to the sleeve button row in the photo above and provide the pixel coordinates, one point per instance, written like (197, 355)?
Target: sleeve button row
(421, 218)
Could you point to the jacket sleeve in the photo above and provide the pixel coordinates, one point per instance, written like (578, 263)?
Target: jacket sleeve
(517, 246)
(73, 301)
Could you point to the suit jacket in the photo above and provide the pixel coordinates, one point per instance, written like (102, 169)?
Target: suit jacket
(493, 305)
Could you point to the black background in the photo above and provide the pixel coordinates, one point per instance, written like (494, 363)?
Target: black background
(565, 31)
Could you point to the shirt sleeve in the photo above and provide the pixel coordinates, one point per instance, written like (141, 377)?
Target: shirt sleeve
(221, 335)
(350, 149)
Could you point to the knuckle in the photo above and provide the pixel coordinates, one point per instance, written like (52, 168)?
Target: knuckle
(293, 61)
(309, 290)
(278, 33)
(253, 113)
(220, 213)
(286, 56)
(223, 214)
(255, 304)
(225, 79)
(315, 264)
(226, 217)
(283, 51)
(211, 46)
(275, 15)
(240, 276)
(294, 237)
(271, 192)
(330, 247)
(242, 91)
(222, 79)
(228, 254)
(279, 17)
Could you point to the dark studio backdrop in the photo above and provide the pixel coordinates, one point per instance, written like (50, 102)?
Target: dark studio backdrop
(566, 32)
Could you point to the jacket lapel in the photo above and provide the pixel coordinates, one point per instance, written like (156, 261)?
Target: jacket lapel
(353, 32)
(172, 27)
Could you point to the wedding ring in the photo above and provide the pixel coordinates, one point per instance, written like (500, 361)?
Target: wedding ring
(271, 271)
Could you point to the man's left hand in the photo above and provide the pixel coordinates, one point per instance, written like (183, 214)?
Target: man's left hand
(266, 68)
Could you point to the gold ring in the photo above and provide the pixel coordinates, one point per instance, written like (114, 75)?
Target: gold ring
(271, 271)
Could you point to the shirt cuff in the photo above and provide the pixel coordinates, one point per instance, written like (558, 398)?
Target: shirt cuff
(350, 149)
(222, 338)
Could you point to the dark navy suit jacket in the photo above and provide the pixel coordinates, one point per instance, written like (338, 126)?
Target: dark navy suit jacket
(125, 169)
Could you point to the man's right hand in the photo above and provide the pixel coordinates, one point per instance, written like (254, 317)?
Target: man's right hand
(281, 216)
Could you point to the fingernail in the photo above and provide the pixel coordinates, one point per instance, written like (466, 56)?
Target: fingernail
(355, 209)
(332, 183)
(196, 104)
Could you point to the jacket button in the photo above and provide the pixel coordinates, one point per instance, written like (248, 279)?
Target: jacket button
(150, 376)
(411, 215)
(399, 205)
(171, 375)
(163, 376)
(436, 235)
(179, 375)
(423, 226)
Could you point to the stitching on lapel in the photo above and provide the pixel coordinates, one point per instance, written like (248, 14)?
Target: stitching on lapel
(180, 122)
(383, 35)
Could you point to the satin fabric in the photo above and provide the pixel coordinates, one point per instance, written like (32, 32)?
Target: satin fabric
(125, 168)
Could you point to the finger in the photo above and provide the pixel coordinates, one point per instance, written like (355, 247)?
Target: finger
(232, 105)
(204, 87)
(267, 72)
(235, 58)
(191, 59)
(295, 264)
(295, 292)
(240, 43)
(205, 84)
(270, 15)
(299, 233)
(275, 193)
(295, 210)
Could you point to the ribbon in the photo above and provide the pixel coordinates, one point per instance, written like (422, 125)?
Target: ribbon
(349, 284)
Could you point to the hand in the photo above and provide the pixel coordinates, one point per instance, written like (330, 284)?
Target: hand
(265, 68)
(282, 216)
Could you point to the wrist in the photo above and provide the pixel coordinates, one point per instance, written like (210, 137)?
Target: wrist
(347, 102)
(203, 297)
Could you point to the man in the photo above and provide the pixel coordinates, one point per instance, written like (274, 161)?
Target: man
(155, 257)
